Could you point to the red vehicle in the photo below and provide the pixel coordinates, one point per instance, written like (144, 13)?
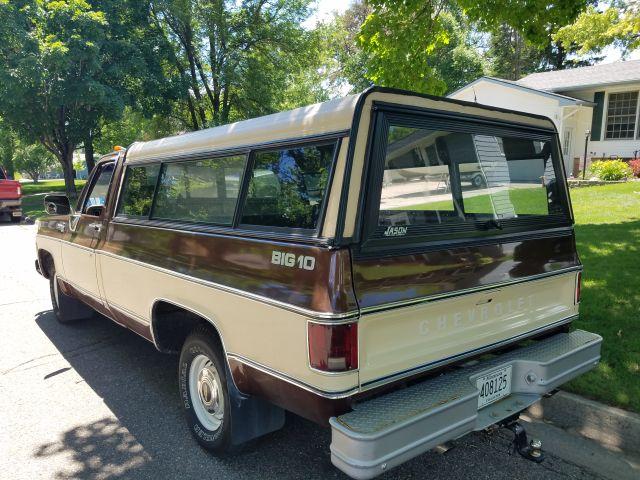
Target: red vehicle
(10, 193)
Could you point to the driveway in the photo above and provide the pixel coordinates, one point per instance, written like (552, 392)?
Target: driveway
(93, 400)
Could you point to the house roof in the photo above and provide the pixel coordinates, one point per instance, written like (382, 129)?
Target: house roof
(564, 100)
(583, 77)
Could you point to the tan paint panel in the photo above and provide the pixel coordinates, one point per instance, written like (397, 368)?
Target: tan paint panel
(444, 105)
(400, 339)
(80, 267)
(333, 204)
(265, 334)
(53, 246)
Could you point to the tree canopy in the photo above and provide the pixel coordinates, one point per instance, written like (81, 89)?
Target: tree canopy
(34, 160)
(93, 73)
(593, 30)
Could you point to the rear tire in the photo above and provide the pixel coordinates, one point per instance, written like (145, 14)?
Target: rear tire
(203, 390)
(15, 219)
(66, 309)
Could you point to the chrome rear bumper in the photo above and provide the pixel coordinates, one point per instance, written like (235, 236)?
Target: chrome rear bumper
(386, 431)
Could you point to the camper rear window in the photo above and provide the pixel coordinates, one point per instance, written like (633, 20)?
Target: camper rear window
(451, 182)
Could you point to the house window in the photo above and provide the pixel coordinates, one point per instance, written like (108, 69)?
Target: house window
(622, 112)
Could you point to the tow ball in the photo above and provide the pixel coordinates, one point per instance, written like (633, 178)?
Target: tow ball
(529, 450)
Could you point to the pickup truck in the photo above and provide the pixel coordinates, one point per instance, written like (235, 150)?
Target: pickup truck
(10, 198)
(294, 263)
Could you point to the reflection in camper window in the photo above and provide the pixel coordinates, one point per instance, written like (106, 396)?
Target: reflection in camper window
(434, 176)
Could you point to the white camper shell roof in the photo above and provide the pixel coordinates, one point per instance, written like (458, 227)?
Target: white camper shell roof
(320, 119)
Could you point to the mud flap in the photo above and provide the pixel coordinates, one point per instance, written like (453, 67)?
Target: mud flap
(251, 417)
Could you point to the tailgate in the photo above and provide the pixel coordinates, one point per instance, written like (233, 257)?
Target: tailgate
(420, 311)
(9, 190)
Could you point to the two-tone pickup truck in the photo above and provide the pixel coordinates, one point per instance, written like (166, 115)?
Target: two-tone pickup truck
(10, 198)
(295, 264)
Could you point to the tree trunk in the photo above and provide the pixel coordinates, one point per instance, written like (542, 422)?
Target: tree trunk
(66, 160)
(88, 153)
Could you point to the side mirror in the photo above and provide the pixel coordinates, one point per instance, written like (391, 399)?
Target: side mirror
(57, 205)
(95, 210)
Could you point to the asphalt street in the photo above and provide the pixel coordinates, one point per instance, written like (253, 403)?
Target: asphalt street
(93, 400)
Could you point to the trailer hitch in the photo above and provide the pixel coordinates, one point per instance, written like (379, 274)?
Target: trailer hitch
(529, 450)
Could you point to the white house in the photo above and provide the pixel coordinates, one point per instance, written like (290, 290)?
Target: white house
(603, 100)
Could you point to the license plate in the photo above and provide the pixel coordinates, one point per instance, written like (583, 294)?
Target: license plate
(16, 213)
(493, 386)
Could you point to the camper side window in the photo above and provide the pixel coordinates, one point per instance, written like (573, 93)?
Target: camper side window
(203, 191)
(287, 187)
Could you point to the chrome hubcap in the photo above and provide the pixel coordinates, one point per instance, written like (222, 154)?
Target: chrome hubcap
(206, 392)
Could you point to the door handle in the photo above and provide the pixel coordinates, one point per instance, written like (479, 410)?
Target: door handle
(96, 227)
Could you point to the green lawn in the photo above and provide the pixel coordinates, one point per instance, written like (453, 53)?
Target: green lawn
(608, 236)
(48, 186)
(33, 195)
(526, 201)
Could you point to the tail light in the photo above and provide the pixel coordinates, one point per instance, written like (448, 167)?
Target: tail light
(19, 190)
(333, 348)
(578, 287)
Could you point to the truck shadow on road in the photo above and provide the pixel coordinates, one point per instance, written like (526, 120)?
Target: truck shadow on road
(147, 438)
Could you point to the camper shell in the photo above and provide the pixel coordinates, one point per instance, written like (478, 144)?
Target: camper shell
(399, 267)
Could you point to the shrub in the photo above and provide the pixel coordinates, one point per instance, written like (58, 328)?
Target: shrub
(610, 170)
(635, 167)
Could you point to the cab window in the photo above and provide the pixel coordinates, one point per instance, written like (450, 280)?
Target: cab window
(97, 194)
(137, 191)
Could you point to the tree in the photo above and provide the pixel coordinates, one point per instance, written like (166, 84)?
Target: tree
(235, 59)
(593, 30)
(510, 55)
(135, 60)
(419, 46)
(7, 146)
(344, 65)
(34, 160)
(134, 126)
(402, 36)
(65, 66)
(49, 63)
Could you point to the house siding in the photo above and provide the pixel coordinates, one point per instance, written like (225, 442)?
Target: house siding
(503, 95)
(625, 148)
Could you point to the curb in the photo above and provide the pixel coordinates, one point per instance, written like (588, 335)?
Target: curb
(611, 427)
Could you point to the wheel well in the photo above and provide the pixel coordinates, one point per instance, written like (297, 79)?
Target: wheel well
(47, 264)
(171, 324)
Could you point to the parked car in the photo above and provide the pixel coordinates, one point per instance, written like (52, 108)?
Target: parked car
(10, 198)
(271, 255)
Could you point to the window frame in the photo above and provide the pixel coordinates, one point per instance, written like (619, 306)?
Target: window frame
(237, 229)
(636, 129)
(384, 115)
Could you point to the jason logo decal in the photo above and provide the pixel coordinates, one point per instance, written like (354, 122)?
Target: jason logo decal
(395, 231)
